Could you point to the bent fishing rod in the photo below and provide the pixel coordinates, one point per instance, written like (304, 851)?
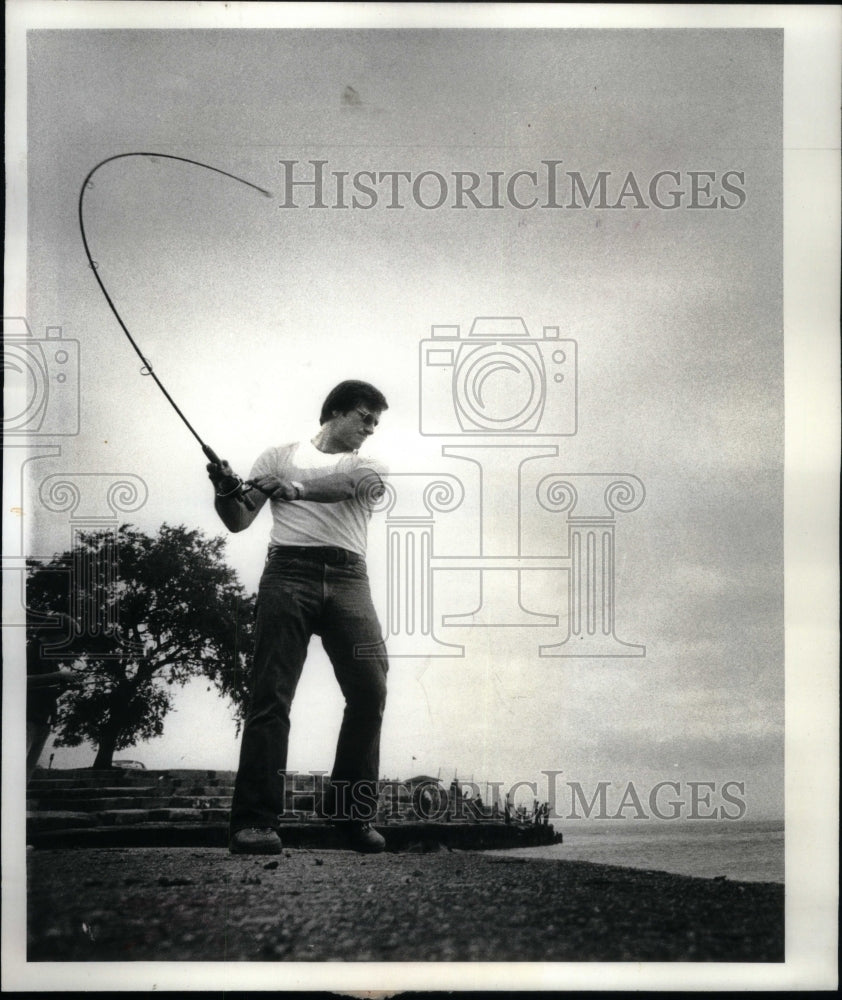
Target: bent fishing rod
(243, 487)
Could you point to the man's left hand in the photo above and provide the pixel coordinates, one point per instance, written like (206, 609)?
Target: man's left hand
(276, 489)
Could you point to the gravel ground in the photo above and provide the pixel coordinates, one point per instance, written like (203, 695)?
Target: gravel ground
(183, 904)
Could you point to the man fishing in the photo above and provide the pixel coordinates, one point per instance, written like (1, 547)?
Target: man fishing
(314, 582)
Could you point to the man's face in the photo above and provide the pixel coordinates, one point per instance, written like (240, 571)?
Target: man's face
(349, 430)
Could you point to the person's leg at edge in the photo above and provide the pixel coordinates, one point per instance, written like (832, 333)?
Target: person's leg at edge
(282, 635)
(352, 639)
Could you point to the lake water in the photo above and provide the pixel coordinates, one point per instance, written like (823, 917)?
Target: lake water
(741, 850)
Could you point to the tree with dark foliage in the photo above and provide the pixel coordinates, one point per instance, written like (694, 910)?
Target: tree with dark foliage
(132, 615)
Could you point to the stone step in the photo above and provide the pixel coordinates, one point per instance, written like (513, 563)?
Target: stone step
(297, 807)
(93, 802)
(132, 835)
(409, 837)
(67, 819)
(86, 777)
(131, 791)
(59, 820)
(200, 801)
(44, 788)
(71, 791)
(120, 798)
(134, 802)
(193, 774)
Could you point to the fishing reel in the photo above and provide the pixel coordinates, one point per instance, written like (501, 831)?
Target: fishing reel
(233, 485)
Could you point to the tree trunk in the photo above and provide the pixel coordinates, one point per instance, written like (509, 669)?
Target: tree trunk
(113, 726)
(105, 750)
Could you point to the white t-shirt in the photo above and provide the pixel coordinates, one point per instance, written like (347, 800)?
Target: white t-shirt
(305, 522)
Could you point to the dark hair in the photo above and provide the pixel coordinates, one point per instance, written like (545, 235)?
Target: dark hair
(345, 396)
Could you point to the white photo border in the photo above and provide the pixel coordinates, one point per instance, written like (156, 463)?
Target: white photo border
(812, 37)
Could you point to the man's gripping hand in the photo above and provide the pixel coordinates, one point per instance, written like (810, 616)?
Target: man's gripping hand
(223, 478)
(228, 484)
(233, 503)
(276, 489)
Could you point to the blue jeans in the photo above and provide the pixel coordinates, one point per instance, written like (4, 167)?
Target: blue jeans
(323, 592)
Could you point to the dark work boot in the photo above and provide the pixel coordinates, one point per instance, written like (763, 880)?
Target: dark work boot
(362, 837)
(254, 841)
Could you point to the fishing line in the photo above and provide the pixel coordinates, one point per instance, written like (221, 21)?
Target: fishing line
(147, 370)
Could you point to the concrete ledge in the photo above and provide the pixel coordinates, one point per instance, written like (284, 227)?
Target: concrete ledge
(138, 835)
(212, 831)
(59, 820)
(126, 808)
(216, 815)
(120, 817)
(117, 776)
(175, 815)
(122, 802)
(75, 791)
(119, 803)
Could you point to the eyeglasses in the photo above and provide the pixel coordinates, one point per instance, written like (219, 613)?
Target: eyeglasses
(369, 419)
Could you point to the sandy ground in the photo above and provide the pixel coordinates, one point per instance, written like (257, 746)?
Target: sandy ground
(184, 904)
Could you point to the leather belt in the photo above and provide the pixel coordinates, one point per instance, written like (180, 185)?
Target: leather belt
(323, 553)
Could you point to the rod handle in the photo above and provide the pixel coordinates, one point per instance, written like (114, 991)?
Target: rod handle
(240, 495)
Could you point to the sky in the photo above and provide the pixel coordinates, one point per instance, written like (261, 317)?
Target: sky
(251, 312)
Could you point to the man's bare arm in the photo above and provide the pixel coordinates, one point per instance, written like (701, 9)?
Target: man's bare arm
(331, 488)
(232, 511)
(363, 483)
